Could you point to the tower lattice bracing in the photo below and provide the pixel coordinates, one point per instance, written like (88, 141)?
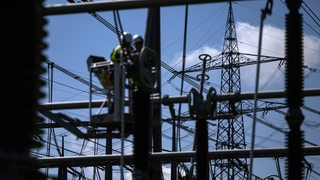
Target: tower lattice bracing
(230, 130)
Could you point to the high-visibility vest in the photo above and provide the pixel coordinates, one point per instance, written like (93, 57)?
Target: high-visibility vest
(116, 54)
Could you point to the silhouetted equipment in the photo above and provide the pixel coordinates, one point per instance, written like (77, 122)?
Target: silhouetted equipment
(230, 161)
(112, 79)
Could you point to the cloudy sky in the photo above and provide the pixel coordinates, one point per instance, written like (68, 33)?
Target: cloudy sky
(73, 37)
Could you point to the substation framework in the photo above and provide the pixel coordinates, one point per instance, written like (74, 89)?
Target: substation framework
(224, 98)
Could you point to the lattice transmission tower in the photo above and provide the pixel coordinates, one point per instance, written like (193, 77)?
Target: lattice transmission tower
(230, 131)
(230, 124)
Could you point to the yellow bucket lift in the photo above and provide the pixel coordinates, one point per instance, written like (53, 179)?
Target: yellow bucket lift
(101, 69)
(112, 78)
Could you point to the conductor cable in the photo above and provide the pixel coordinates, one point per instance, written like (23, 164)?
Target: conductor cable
(265, 12)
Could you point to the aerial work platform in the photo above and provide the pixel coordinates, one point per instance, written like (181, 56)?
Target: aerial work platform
(112, 78)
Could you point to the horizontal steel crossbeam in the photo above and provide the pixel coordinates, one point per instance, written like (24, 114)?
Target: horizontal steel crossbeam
(167, 157)
(180, 99)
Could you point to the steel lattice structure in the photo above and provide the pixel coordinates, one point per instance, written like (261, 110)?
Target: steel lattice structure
(230, 129)
(230, 132)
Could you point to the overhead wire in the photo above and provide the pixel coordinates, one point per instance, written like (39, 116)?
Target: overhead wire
(73, 75)
(183, 65)
(266, 11)
(312, 17)
(181, 76)
(304, 4)
(214, 23)
(116, 30)
(117, 22)
(120, 32)
(67, 86)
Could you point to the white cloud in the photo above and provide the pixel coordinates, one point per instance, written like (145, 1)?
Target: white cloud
(273, 44)
(193, 56)
(311, 46)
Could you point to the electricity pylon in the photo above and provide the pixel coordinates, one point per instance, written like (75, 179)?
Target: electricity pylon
(230, 126)
(230, 131)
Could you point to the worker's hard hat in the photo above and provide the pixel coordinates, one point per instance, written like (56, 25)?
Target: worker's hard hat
(137, 38)
(127, 37)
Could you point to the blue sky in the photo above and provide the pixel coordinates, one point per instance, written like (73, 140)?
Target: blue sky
(72, 38)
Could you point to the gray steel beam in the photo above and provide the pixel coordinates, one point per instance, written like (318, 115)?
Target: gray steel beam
(166, 157)
(179, 99)
(71, 8)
